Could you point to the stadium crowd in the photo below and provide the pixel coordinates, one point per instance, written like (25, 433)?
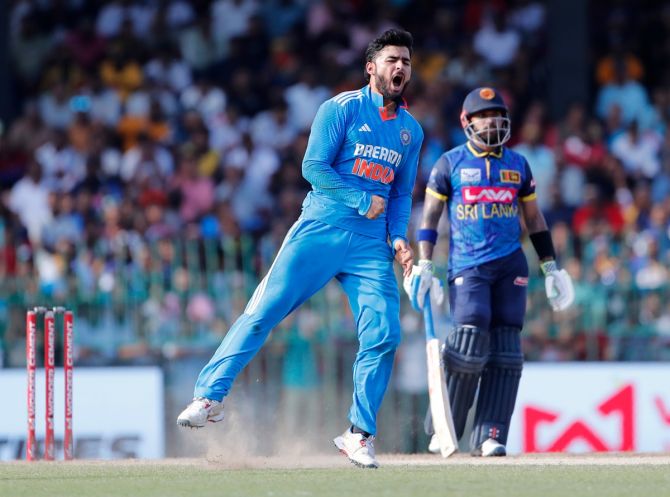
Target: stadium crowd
(147, 128)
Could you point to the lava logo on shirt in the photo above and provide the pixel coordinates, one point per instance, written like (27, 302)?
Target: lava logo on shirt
(487, 194)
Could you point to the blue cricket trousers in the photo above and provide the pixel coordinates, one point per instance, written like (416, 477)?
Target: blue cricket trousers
(311, 255)
(492, 294)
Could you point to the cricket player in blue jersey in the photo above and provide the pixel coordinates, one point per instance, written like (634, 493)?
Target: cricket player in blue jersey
(485, 187)
(361, 161)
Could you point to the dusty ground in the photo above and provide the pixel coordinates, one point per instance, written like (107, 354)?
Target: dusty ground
(456, 459)
(399, 460)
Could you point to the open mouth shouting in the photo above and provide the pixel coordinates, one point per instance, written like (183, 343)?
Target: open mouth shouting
(397, 83)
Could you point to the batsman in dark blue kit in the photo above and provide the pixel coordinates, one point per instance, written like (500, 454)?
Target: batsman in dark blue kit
(485, 187)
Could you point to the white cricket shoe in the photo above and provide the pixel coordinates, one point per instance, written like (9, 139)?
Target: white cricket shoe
(490, 448)
(434, 445)
(359, 449)
(199, 411)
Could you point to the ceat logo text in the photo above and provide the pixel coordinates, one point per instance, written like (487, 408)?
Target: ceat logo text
(487, 194)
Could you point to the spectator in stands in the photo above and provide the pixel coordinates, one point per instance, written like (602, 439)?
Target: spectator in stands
(304, 98)
(81, 130)
(496, 42)
(121, 72)
(62, 165)
(85, 46)
(29, 200)
(541, 160)
(147, 161)
(29, 130)
(54, 107)
(104, 103)
(154, 124)
(230, 18)
(29, 50)
(626, 93)
(598, 215)
(617, 59)
(639, 151)
(204, 97)
(169, 67)
(113, 14)
(272, 127)
(467, 69)
(66, 227)
(194, 189)
(201, 47)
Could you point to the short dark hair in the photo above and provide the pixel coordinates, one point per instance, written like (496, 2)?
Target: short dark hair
(390, 37)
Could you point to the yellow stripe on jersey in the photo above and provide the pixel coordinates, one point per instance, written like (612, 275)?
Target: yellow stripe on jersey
(484, 153)
(528, 198)
(475, 152)
(438, 196)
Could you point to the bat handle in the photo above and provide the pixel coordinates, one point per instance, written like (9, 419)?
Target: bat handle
(428, 317)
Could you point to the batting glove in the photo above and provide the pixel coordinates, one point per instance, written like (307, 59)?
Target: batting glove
(558, 285)
(418, 283)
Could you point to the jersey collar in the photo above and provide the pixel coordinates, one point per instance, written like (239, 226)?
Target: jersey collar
(378, 101)
(478, 152)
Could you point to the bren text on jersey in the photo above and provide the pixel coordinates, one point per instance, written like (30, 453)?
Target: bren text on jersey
(374, 170)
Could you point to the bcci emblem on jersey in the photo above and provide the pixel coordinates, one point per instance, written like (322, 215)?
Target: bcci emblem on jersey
(405, 136)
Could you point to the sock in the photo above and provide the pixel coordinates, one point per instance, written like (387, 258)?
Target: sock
(356, 429)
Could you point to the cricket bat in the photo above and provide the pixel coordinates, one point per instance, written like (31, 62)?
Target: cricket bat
(443, 422)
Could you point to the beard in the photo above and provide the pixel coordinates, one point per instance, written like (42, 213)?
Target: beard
(384, 86)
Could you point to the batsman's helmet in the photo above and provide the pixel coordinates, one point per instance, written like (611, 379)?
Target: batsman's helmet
(479, 100)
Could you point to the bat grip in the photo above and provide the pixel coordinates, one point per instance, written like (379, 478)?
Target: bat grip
(428, 317)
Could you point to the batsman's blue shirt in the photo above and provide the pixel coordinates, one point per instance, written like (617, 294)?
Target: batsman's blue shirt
(482, 191)
(356, 150)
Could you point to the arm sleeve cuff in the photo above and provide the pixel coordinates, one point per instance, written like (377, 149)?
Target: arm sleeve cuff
(426, 235)
(364, 205)
(543, 244)
(395, 239)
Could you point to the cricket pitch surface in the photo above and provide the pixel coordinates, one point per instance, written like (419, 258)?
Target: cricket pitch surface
(421, 475)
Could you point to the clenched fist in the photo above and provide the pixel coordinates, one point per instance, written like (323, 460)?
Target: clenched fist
(377, 207)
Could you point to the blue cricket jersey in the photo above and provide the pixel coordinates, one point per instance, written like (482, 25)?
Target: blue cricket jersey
(482, 191)
(355, 151)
